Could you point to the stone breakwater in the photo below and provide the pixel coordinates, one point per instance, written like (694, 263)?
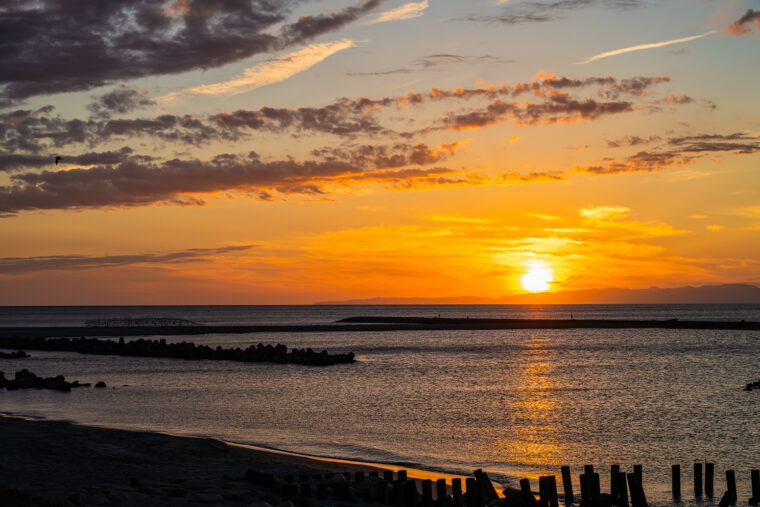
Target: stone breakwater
(24, 379)
(184, 350)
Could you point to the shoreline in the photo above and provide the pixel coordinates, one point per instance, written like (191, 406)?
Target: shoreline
(59, 460)
(375, 324)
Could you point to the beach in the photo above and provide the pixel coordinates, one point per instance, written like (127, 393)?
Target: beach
(52, 462)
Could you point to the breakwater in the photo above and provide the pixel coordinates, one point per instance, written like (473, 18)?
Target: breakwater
(185, 350)
(375, 324)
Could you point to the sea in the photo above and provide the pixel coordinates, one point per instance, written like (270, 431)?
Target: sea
(516, 403)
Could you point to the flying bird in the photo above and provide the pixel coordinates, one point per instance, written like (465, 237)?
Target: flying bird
(58, 159)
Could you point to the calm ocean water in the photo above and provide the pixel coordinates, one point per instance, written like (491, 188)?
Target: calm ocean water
(516, 403)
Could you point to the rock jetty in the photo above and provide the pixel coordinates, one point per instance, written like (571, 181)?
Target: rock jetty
(184, 350)
(24, 379)
(19, 354)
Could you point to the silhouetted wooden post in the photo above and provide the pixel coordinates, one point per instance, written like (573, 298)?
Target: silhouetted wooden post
(639, 471)
(709, 478)
(725, 500)
(590, 489)
(731, 485)
(358, 476)
(675, 480)
(585, 490)
(401, 475)
(374, 473)
(547, 486)
(388, 475)
(427, 493)
(456, 491)
(543, 493)
(441, 495)
(472, 492)
(621, 489)
(485, 484)
(638, 498)
(588, 469)
(697, 480)
(567, 485)
(614, 470)
(755, 474)
(398, 493)
(410, 493)
(527, 494)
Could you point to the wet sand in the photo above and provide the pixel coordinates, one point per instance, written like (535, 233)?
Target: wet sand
(51, 462)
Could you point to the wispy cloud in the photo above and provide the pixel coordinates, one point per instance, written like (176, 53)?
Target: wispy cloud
(268, 72)
(642, 47)
(406, 11)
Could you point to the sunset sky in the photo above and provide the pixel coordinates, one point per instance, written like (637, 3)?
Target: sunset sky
(267, 152)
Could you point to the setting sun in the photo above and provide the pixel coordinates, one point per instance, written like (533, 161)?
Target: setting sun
(538, 278)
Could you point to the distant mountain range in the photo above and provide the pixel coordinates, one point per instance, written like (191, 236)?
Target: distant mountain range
(707, 294)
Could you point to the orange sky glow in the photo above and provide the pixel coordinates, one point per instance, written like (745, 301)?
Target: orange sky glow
(410, 150)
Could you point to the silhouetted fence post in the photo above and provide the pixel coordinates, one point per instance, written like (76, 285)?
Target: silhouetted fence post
(614, 470)
(675, 479)
(620, 489)
(401, 475)
(427, 493)
(547, 490)
(731, 486)
(456, 491)
(472, 493)
(387, 475)
(567, 485)
(709, 478)
(638, 498)
(588, 469)
(755, 474)
(639, 471)
(697, 480)
(527, 494)
(441, 495)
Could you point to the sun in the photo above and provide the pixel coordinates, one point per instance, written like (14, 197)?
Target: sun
(538, 278)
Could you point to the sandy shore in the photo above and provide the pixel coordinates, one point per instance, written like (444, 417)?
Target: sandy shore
(57, 463)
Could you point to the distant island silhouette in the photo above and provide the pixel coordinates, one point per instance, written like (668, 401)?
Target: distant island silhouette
(738, 293)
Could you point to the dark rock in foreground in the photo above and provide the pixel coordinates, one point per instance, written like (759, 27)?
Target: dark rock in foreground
(184, 350)
(24, 379)
(19, 354)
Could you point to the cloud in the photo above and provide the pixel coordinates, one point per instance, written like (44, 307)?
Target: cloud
(266, 73)
(54, 47)
(14, 161)
(407, 11)
(121, 100)
(20, 265)
(632, 141)
(41, 130)
(678, 153)
(135, 182)
(541, 12)
(642, 47)
(743, 25)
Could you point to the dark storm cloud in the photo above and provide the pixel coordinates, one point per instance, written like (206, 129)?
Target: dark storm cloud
(743, 25)
(51, 46)
(121, 100)
(21, 265)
